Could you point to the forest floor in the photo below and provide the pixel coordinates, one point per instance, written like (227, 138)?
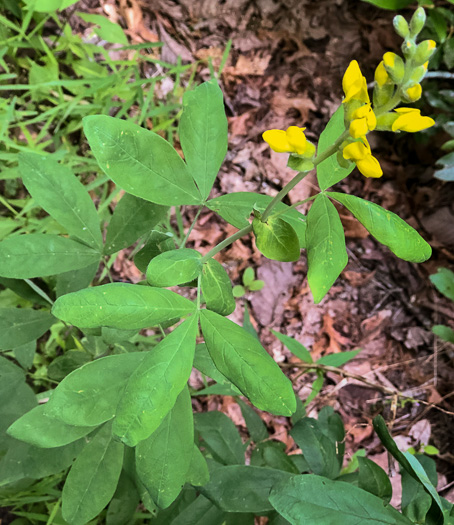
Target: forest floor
(285, 68)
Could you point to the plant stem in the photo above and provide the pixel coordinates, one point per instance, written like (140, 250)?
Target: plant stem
(299, 203)
(183, 243)
(227, 242)
(179, 222)
(199, 284)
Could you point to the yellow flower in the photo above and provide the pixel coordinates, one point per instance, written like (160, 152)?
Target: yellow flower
(411, 120)
(360, 154)
(413, 93)
(291, 141)
(381, 75)
(354, 84)
(363, 121)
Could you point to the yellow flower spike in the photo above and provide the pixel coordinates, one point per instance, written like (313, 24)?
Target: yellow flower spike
(381, 75)
(411, 120)
(354, 84)
(412, 94)
(291, 141)
(364, 120)
(360, 154)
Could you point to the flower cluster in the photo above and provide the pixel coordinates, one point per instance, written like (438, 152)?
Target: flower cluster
(396, 80)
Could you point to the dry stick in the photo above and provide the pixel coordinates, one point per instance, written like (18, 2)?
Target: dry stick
(376, 386)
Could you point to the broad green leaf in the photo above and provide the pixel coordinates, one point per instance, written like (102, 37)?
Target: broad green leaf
(326, 252)
(19, 326)
(198, 474)
(444, 332)
(319, 450)
(217, 288)
(443, 281)
(24, 290)
(140, 161)
(108, 31)
(56, 189)
(416, 502)
(124, 502)
(201, 510)
(240, 357)
(374, 479)
(272, 454)
(315, 500)
(157, 243)
(25, 354)
(390, 4)
(220, 436)
(152, 389)
(329, 172)
(204, 363)
(174, 267)
(163, 459)
(122, 306)
(64, 364)
(89, 396)
(75, 280)
(294, 346)
(276, 239)
(47, 6)
(338, 359)
(236, 209)
(254, 423)
(41, 255)
(203, 133)
(43, 431)
(238, 488)
(93, 478)
(387, 228)
(132, 218)
(410, 464)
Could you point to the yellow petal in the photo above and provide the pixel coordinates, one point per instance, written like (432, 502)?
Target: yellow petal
(414, 93)
(358, 128)
(351, 76)
(355, 151)
(370, 167)
(277, 140)
(411, 121)
(371, 120)
(389, 59)
(381, 75)
(296, 139)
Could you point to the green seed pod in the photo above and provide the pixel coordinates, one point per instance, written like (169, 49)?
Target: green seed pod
(424, 51)
(394, 66)
(401, 26)
(417, 21)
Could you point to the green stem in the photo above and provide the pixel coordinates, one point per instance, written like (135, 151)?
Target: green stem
(227, 242)
(199, 285)
(179, 222)
(182, 245)
(295, 205)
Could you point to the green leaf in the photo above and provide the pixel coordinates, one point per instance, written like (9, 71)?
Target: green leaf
(256, 286)
(41, 430)
(273, 455)
(240, 357)
(326, 252)
(254, 423)
(157, 243)
(338, 359)
(387, 228)
(25, 354)
(319, 450)
(217, 288)
(314, 500)
(444, 332)
(237, 488)
(236, 209)
(56, 189)
(276, 239)
(122, 306)
(154, 386)
(66, 363)
(41, 255)
(203, 363)
(174, 267)
(47, 6)
(132, 218)
(75, 280)
(22, 289)
(163, 459)
(443, 281)
(201, 510)
(90, 395)
(416, 502)
(203, 133)
(329, 172)
(295, 347)
(108, 31)
(390, 4)
(409, 463)
(93, 478)
(373, 479)
(220, 436)
(198, 474)
(19, 326)
(140, 161)
(238, 290)
(124, 502)
(248, 276)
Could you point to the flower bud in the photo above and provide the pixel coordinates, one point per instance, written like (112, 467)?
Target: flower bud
(381, 75)
(424, 51)
(417, 21)
(418, 73)
(394, 66)
(382, 95)
(401, 26)
(408, 48)
(412, 93)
